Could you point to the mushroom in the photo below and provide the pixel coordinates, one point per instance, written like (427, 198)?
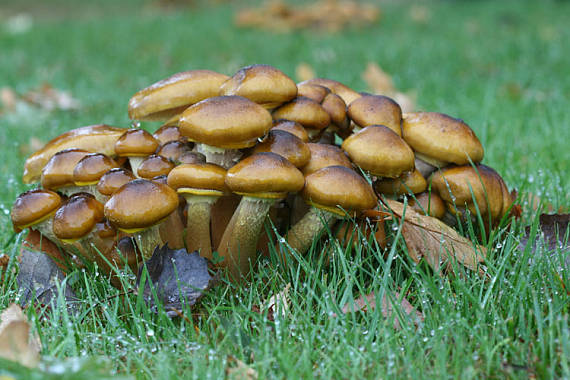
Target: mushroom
(411, 182)
(173, 150)
(292, 127)
(35, 209)
(323, 155)
(154, 166)
(375, 110)
(168, 133)
(286, 145)
(346, 93)
(111, 181)
(89, 170)
(428, 203)
(58, 172)
(136, 144)
(305, 111)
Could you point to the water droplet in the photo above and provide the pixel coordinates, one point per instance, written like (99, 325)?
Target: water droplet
(150, 332)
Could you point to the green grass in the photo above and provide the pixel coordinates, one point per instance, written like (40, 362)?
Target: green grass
(501, 66)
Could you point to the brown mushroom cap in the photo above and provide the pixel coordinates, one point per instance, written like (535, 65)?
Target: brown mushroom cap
(154, 166)
(323, 155)
(346, 93)
(232, 122)
(411, 182)
(77, 217)
(112, 180)
(174, 149)
(439, 139)
(380, 151)
(292, 127)
(34, 206)
(167, 133)
(262, 84)
(337, 188)
(336, 108)
(287, 145)
(198, 179)
(140, 204)
(91, 168)
(376, 110)
(428, 202)
(305, 111)
(172, 95)
(313, 91)
(135, 143)
(58, 172)
(264, 175)
(192, 158)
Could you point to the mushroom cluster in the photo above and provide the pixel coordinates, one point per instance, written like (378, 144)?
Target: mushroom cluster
(233, 153)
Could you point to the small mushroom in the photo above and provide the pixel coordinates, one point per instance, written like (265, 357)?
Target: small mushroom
(58, 172)
(428, 203)
(375, 110)
(292, 127)
(136, 145)
(305, 111)
(89, 170)
(411, 182)
(111, 181)
(346, 93)
(168, 133)
(173, 150)
(154, 166)
(286, 145)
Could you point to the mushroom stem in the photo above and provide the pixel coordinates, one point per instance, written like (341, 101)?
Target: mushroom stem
(135, 163)
(198, 225)
(226, 158)
(238, 244)
(301, 235)
(148, 240)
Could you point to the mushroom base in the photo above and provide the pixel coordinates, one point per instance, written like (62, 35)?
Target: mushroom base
(300, 237)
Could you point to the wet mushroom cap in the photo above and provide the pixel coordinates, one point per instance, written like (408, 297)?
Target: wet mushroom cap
(430, 203)
(313, 91)
(323, 155)
(336, 108)
(91, 168)
(112, 180)
(305, 111)
(192, 158)
(174, 149)
(140, 204)
(409, 182)
(154, 166)
(77, 217)
(264, 175)
(337, 186)
(292, 127)
(58, 172)
(441, 137)
(287, 145)
(231, 122)
(172, 95)
(262, 84)
(346, 93)
(167, 133)
(33, 207)
(380, 151)
(376, 109)
(199, 179)
(136, 143)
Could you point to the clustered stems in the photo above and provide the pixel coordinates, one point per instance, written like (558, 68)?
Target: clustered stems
(198, 225)
(226, 158)
(135, 164)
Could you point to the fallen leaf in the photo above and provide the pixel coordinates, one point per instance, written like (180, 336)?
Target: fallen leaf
(304, 72)
(239, 370)
(35, 241)
(430, 239)
(368, 303)
(176, 276)
(49, 98)
(553, 230)
(16, 342)
(9, 98)
(278, 304)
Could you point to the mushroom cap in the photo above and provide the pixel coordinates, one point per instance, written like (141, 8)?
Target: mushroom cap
(287, 145)
(198, 179)
(262, 84)
(313, 91)
(376, 110)
(91, 168)
(167, 133)
(346, 93)
(174, 149)
(380, 151)
(411, 182)
(140, 204)
(441, 137)
(305, 111)
(264, 175)
(337, 188)
(292, 127)
(135, 143)
(231, 122)
(336, 108)
(154, 165)
(323, 155)
(99, 138)
(112, 180)
(77, 217)
(172, 95)
(454, 185)
(34, 206)
(192, 158)
(428, 202)
(58, 172)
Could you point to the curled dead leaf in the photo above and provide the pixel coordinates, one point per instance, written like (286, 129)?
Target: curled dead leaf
(16, 341)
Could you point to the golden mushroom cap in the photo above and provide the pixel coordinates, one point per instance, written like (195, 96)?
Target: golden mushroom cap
(174, 149)
(336, 108)
(428, 203)
(304, 111)
(112, 180)
(262, 84)
(313, 91)
(380, 151)
(167, 133)
(338, 189)
(438, 139)
(231, 122)
(292, 127)
(376, 110)
(198, 179)
(264, 175)
(154, 166)
(58, 172)
(346, 93)
(287, 145)
(135, 143)
(170, 96)
(323, 155)
(34, 206)
(77, 217)
(140, 204)
(91, 168)
(411, 182)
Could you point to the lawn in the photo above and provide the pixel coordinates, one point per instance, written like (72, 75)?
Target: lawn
(500, 66)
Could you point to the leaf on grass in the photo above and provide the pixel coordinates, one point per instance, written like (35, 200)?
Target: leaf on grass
(8, 98)
(430, 239)
(379, 82)
(177, 277)
(16, 342)
(238, 370)
(368, 303)
(278, 304)
(304, 72)
(48, 98)
(553, 230)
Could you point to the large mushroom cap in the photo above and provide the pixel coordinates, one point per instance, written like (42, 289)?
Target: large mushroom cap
(264, 175)
(77, 217)
(287, 145)
(337, 188)
(199, 179)
(346, 93)
(306, 112)
(58, 172)
(112, 180)
(323, 155)
(135, 143)
(439, 138)
(140, 204)
(154, 166)
(34, 206)
(226, 122)
(262, 84)
(170, 96)
(411, 182)
(376, 109)
(292, 127)
(91, 168)
(380, 151)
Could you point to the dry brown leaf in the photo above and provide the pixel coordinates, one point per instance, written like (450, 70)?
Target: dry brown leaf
(304, 72)
(49, 98)
(239, 370)
(379, 82)
(368, 303)
(430, 239)
(36, 242)
(9, 98)
(278, 304)
(16, 342)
